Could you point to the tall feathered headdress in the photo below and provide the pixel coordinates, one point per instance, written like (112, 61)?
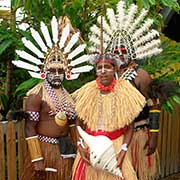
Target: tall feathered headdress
(126, 32)
(63, 48)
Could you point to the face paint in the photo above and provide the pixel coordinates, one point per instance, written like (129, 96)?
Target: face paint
(55, 76)
(105, 72)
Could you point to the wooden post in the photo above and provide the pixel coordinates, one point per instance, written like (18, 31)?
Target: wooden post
(11, 151)
(2, 153)
(21, 147)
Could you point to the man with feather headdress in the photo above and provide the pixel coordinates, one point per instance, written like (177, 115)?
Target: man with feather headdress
(49, 126)
(127, 41)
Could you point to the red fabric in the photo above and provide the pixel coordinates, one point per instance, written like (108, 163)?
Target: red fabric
(110, 134)
(105, 88)
(80, 170)
(81, 166)
(149, 158)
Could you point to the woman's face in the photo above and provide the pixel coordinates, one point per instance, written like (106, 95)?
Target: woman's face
(105, 72)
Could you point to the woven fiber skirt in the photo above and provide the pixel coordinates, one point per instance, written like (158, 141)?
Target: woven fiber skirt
(52, 159)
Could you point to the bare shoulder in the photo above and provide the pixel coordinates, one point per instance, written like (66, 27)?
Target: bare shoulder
(142, 81)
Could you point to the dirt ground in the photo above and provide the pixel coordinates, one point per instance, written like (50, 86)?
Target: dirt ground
(173, 177)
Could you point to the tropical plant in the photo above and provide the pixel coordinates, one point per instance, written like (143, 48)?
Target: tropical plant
(82, 13)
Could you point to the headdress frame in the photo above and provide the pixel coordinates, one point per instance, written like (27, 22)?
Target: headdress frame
(61, 47)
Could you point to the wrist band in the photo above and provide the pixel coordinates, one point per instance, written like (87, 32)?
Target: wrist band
(123, 147)
(72, 125)
(34, 148)
(154, 130)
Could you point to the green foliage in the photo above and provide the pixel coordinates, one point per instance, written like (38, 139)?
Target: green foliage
(164, 68)
(83, 14)
(25, 86)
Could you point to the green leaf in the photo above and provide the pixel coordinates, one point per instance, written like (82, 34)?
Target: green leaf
(5, 44)
(4, 101)
(176, 99)
(26, 85)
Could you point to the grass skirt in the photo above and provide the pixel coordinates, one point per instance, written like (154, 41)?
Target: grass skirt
(147, 167)
(52, 159)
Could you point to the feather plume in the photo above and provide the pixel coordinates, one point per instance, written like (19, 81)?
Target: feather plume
(94, 39)
(46, 35)
(81, 69)
(93, 49)
(25, 65)
(72, 42)
(112, 18)
(32, 47)
(54, 27)
(120, 14)
(145, 27)
(130, 16)
(138, 20)
(35, 75)
(146, 38)
(39, 40)
(77, 51)
(106, 26)
(79, 60)
(95, 30)
(65, 34)
(149, 53)
(28, 57)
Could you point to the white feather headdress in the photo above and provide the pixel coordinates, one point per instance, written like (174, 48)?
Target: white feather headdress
(63, 50)
(126, 32)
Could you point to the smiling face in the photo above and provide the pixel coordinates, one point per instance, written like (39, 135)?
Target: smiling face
(105, 72)
(55, 76)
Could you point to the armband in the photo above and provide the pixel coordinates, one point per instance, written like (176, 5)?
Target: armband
(34, 148)
(33, 115)
(154, 116)
(154, 130)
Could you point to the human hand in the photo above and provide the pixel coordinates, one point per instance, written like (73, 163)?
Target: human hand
(84, 152)
(39, 165)
(39, 169)
(151, 143)
(120, 158)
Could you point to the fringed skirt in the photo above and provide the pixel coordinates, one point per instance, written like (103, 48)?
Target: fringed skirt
(52, 159)
(82, 171)
(147, 167)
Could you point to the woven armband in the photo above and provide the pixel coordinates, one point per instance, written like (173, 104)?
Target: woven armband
(154, 116)
(34, 148)
(33, 115)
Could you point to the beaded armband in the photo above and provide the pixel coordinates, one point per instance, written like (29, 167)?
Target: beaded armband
(34, 148)
(33, 115)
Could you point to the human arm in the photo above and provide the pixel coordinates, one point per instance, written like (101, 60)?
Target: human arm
(154, 117)
(32, 107)
(126, 141)
(143, 82)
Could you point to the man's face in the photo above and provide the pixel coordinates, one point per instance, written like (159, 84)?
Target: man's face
(55, 76)
(105, 71)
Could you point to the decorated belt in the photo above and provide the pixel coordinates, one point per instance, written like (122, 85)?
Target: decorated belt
(110, 134)
(48, 139)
